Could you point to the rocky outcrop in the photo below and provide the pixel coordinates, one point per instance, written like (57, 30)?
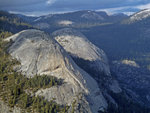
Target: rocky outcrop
(39, 54)
(127, 63)
(89, 57)
(4, 108)
(80, 47)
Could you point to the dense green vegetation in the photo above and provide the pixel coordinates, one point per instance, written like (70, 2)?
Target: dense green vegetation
(38, 82)
(17, 90)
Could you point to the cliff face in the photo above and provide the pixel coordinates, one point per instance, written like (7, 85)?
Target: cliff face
(89, 57)
(80, 47)
(40, 54)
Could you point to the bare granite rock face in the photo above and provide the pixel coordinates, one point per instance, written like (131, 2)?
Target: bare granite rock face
(4, 108)
(86, 55)
(39, 54)
(79, 46)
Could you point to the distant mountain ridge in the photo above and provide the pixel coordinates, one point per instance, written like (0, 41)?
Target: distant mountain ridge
(77, 19)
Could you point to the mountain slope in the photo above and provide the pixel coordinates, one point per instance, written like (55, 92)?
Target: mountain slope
(78, 46)
(131, 42)
(139, 16)
(91, 58)
(77, 19)
(40, 54)
(86, 55)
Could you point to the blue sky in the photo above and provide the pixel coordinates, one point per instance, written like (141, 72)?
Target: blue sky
(42, 7)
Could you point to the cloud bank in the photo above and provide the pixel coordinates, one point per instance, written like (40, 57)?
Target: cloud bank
(55, 6)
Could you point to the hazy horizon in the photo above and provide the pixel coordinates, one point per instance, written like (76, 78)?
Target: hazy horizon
(43, 7)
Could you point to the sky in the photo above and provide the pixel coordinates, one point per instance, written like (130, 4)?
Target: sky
(43, 7)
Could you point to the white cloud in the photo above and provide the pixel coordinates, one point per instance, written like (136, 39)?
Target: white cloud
(128, 13)
(49, 2)
(146, 6)
(38, 13)
(34, 14)
(50, 6)
(111, 11)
